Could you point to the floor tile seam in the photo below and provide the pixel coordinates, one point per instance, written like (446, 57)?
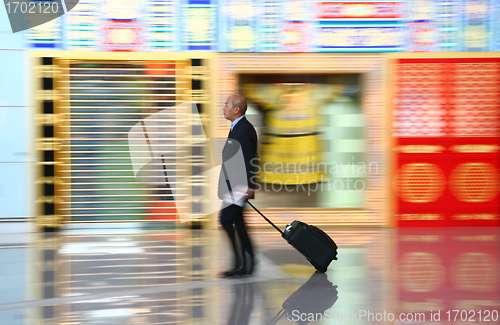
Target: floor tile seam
(139, 291)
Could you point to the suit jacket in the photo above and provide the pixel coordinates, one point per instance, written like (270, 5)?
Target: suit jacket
(246, 138)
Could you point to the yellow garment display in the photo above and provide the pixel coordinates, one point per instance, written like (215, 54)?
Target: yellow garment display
(291, 151)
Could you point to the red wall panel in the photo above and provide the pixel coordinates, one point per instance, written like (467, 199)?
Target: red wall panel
(447, 129)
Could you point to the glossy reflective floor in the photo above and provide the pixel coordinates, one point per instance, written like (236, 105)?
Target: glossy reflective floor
(140, 276)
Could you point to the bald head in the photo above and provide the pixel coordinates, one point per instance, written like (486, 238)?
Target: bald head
(234, 107)
(239, 101)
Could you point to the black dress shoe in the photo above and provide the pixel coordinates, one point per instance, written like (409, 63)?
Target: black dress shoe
(234, 272)
(249, 266)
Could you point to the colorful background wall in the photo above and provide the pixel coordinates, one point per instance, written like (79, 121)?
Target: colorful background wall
(431, 125)
(273, 26)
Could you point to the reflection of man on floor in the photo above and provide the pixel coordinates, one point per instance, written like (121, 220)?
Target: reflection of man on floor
(231, 217)
(241, 310)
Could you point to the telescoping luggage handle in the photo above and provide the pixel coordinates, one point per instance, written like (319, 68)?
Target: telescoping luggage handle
(263, 216)
(231, 192)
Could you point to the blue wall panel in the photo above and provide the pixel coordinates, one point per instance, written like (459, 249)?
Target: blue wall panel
(9, 40)
(13, 78)
(14, 194)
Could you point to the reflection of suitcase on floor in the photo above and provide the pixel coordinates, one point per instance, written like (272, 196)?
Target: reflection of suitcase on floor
(314, 297)
(316, 246)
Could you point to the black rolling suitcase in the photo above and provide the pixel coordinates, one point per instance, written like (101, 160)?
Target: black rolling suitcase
(316, 246)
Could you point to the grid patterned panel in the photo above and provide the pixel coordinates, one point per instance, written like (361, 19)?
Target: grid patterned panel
(475, 99)
(99, 104)
(420, 103)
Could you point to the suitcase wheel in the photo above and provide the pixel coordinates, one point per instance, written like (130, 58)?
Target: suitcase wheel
(322, 270)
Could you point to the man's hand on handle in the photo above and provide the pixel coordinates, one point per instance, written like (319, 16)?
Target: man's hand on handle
(250, 194)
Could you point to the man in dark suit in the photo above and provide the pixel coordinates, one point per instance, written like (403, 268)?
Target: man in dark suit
(236, 177)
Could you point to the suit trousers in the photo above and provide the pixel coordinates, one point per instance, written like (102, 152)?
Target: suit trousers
(231, 217)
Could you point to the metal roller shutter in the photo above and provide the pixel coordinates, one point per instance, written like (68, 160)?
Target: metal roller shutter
(98, 103)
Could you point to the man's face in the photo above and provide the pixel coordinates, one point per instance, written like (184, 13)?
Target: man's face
(229, 110)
